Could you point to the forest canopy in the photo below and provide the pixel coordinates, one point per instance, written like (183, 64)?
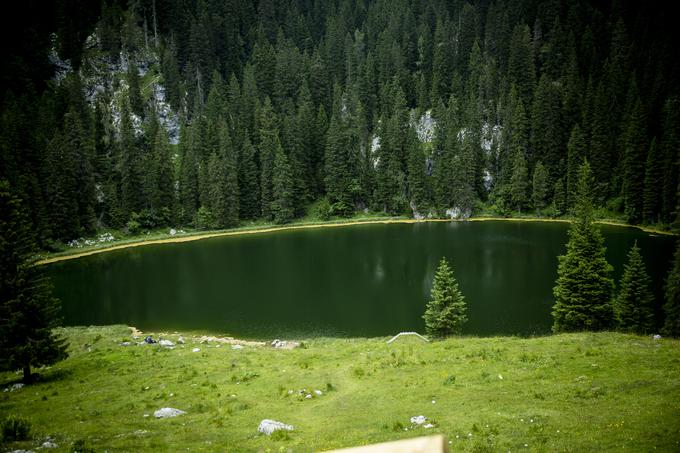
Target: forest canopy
(155, 113)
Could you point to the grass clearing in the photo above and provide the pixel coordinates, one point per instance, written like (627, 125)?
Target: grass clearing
(572, 392)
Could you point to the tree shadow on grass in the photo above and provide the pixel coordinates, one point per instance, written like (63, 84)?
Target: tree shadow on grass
(41, 376)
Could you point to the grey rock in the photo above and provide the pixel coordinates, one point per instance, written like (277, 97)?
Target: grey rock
(168, 412)
(418, 419)
(166, 343)
(49, 444)
(269, 426)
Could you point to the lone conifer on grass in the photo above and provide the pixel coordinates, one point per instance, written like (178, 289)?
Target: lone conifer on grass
(28, 312)
(445, 312)
(671, 307)
(633, 308)
(583, 290)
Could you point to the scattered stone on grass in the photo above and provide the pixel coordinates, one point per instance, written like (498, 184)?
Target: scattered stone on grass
(167, 412)
(180, 340)
(125, 343)
(229, 340)
(167, 343)
(418, 419)
(196, 350)
(656, 337)
(283, 344)
(269, 426)
(236, 346)
(14, 387)
(49, 444)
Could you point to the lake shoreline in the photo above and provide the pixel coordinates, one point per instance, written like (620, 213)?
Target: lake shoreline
(168, 239)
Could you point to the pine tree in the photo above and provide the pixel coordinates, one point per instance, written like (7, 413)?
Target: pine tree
(134, 90)
(130, 166)
(223, 195)
(62, 188)
(269, 145)
(188, 175)
(576, 152)
(521, 69)
(445, 312)
(248, 182)
(519, 181)
(540, 187)
(634, 305)
(635, 152)
(560, 197)
(28, 312)
(163, 195)
(652, 197)
(416, 174)
(282, 189)
(671, 307)
(547, 140)
(583, 289)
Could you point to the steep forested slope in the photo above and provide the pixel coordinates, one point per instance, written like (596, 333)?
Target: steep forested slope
(204, 113)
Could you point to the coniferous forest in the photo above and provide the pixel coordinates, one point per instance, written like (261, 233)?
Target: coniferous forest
(156, 113)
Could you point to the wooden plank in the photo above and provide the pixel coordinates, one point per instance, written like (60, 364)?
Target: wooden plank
(429, 444)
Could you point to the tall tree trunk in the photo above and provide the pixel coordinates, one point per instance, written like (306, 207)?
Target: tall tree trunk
(27, 374)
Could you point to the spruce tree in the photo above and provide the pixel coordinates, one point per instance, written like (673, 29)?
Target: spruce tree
(416, 174)
(282, 189)
(652, 197)
(540, 188)
(671, 307)
(560, 197)
(188, 175)
(269, 146)
(130, 165)
(163, 194)
(635, 152)
(583, 289)
(445, 312)
(28, 312)
(634, 305)
(134, 90)
(521, 69)
(519, 181)
(223, 182)
(576, 152)
(248, 182)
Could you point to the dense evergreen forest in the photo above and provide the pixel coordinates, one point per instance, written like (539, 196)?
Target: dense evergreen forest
(154, 113)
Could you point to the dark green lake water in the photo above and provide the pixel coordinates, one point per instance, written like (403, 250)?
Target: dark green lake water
(365, 280)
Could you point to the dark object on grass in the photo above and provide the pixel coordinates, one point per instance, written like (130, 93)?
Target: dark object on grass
(149, 340)
(15, 428)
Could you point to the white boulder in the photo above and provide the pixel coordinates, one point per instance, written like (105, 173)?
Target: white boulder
(166, 343)
(269, 426)
(167, 412)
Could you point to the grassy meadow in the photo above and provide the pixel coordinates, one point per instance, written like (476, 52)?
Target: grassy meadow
(571, 392)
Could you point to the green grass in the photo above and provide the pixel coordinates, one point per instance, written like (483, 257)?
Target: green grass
(576, 392)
